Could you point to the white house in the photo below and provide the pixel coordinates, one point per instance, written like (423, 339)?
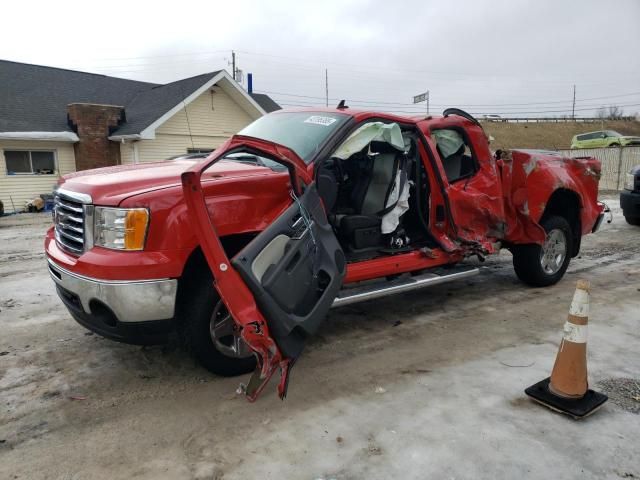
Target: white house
(55, 121)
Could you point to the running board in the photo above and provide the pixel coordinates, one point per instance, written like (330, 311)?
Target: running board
(399, 285)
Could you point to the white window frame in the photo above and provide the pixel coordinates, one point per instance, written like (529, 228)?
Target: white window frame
(32, 173)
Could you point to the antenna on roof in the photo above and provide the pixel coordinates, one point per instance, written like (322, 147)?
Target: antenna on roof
(186, 115)
(342, 105)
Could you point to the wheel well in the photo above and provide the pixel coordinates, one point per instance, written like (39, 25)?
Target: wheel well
(566, 203)
(196, 269)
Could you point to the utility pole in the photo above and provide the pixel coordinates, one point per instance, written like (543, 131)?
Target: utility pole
(326, 87)
(573, 108)
(427, 102)
(233, 64)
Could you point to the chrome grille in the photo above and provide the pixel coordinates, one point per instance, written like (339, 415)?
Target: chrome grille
(69, 220)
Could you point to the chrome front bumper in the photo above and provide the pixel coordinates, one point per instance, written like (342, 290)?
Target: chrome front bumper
(129, 300)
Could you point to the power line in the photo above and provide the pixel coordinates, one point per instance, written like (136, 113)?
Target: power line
(315, 65)
(211, 52)
(394, 110)
(341, 78)
(318, 63)
(376, 102)
(382, 73)
(153, 65)
(307, 62)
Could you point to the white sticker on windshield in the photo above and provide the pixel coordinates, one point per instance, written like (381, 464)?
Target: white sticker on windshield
(319, 120)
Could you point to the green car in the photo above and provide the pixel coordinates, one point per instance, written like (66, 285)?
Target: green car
(603, 139)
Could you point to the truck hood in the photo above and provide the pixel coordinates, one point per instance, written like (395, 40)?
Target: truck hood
(111, 185)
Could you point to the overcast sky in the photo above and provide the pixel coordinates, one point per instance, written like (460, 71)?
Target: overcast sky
(511, 57)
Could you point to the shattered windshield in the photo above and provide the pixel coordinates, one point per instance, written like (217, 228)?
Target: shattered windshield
(303, 132)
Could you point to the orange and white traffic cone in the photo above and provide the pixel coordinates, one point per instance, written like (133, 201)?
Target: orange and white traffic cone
(567, 390)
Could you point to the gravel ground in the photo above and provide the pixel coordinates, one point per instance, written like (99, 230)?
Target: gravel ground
(624, 392)
(427, 384)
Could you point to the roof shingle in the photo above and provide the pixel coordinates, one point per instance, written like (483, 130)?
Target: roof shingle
(34, 98)
(149, 105)
(266, 102)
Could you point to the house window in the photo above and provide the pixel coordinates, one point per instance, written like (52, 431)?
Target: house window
(19, 162)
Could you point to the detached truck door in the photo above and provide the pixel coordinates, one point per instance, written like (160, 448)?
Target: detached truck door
(280, 287)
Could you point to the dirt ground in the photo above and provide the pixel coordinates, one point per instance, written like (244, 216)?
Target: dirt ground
(421, 385)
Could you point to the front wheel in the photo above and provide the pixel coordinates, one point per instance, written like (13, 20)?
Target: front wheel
(632, 220)
(211, 335)
(544, 265)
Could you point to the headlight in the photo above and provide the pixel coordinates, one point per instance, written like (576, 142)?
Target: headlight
(120, 228)
(629, 181)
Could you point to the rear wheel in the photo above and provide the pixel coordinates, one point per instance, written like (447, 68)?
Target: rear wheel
(632, 220)
(211, 335)
(544, 265)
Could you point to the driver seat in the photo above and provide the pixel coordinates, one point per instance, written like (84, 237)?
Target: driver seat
(369, 196)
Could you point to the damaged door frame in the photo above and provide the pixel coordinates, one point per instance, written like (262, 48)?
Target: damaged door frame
(227, 281)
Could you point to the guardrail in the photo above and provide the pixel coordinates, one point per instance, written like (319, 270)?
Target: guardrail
(616, 162)
(552, 120)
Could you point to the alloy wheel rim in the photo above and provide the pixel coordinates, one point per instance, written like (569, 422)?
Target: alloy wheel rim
(225, 334)
(554, 252)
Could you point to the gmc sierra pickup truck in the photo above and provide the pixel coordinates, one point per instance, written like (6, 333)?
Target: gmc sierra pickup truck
(244, 253)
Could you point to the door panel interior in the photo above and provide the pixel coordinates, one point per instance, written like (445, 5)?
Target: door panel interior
(294, 269)
(270, 255)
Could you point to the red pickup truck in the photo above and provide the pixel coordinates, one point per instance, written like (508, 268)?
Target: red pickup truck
(244, 253)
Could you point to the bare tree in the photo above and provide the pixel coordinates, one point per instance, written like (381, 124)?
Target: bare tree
(615, 113)
(612, 112)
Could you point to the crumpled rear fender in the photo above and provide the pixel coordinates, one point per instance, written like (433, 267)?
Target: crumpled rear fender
(530, 180)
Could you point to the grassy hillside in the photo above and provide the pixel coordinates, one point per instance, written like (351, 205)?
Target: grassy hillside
(550, 135)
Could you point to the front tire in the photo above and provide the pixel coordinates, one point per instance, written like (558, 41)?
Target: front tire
(209, 332)
(632, 220)
(544, 265)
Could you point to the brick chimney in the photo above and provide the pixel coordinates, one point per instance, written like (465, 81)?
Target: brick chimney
(94, 123)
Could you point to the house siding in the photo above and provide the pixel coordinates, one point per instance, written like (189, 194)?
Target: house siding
(211, 119)
(165, 146)
(22, 188)
(211, 114)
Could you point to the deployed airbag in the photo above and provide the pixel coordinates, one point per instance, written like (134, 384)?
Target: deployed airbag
(363, 136)
(399, 194)
(449, 142)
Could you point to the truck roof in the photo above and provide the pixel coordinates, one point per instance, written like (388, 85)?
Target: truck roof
(359, 114)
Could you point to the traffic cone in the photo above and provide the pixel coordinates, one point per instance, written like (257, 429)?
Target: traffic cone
(567, 390)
